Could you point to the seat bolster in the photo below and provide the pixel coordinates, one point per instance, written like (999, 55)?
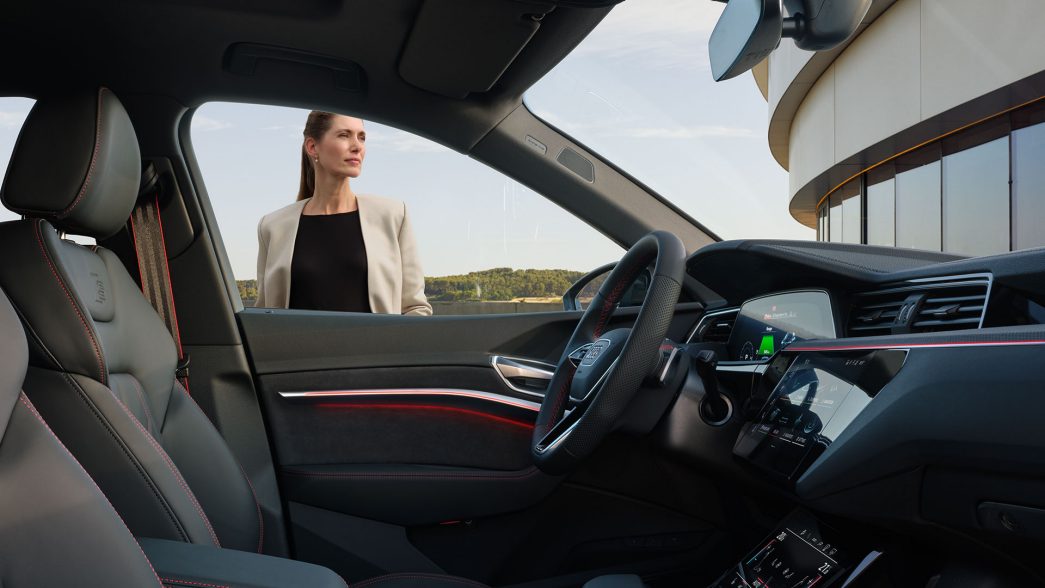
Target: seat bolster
(128, 464)
(42, 285)
(213, 473)
(56, 527)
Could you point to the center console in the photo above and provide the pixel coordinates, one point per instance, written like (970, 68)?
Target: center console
(801, 400)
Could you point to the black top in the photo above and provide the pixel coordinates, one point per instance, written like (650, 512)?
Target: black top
(329, 270)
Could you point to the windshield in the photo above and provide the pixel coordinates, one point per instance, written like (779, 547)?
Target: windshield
(638, 91)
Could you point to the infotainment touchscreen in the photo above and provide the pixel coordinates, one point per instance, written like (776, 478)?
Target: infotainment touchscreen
(768, 324)
(815, 400)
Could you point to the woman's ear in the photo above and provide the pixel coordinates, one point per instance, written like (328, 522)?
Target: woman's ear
(310, 147)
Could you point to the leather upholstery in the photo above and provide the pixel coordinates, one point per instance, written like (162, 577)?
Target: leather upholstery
(193, 566)
(102, 362)
(56, 527)
(103, 375)
(76, 163)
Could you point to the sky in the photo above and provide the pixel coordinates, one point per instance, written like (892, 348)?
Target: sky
(638, 91)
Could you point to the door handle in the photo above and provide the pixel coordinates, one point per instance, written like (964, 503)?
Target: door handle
(523, 375)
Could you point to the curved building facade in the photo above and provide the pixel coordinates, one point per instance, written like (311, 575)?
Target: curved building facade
(925, 130)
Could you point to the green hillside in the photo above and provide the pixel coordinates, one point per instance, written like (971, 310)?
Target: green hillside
(502, 283)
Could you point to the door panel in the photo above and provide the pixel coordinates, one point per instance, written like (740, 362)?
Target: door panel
(288, 341)
(405, 421)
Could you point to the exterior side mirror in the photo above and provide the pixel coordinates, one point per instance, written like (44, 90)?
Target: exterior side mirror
(584, 289)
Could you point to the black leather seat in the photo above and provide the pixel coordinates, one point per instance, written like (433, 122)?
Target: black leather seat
(102, 363)
(56, 527)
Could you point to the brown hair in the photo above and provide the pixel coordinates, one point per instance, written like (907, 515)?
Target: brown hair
(317, 124)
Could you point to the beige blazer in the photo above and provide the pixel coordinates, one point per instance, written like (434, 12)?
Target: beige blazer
(394, 276)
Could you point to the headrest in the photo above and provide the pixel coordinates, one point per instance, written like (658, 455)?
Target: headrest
(76, 163)
(14, 358)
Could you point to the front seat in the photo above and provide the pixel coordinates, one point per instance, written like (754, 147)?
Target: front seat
(102, 363)
(56, 527)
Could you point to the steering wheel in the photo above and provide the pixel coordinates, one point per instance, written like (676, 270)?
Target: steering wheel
(599, 371)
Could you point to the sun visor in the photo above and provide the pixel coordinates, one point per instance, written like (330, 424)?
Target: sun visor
(457, 47)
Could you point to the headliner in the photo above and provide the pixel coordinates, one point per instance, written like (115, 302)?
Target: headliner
(178, 49)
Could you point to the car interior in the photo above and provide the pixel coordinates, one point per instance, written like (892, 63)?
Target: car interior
(721, 413)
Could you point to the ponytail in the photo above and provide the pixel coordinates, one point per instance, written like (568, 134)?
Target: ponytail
(317, 124)
(308, 176)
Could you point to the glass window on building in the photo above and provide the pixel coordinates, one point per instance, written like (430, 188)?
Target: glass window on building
(1028, 186)
(918, 206)
(976, 199)
(881, 208)
(834, 219)
(851, 212)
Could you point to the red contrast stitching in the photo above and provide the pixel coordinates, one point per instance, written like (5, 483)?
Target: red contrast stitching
(261, 519)
(611, 301)
(509, 476)
(83, 321)
(253, 492)
(418, 576)
(28, 404)
(174, 470)
(170, 287)
(94, 157)
(560, 399)
(145, 403)
(192, 583)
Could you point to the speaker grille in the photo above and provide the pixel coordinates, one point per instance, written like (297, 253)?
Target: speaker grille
(577, 163)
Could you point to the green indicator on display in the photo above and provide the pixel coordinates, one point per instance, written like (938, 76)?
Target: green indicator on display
(766, 348)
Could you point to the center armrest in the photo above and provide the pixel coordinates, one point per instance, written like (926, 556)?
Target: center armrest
(184, 565)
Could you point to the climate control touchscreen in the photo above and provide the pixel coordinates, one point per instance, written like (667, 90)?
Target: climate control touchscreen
(801, 553)
(814, 401)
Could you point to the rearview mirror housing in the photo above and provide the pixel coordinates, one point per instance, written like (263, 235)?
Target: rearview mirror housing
(746, 32)
(749, 30)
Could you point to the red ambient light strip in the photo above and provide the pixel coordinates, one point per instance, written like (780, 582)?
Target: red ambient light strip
(799, 348)
(425, 408)
(454, 392)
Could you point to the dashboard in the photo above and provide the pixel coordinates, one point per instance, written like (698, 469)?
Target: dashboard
(879, 388)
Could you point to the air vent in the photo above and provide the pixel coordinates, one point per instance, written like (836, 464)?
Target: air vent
(715, 327)
(875, 313)
(929, 305)
(952, 306)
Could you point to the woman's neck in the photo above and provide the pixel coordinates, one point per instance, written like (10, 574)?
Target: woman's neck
(332, 195)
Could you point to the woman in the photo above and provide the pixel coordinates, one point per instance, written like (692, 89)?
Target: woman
(334, 249)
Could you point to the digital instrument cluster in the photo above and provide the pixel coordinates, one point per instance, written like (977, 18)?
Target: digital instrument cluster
(771, 323)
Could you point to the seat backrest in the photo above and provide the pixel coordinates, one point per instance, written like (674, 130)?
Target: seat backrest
(56, 527)
(101, 362)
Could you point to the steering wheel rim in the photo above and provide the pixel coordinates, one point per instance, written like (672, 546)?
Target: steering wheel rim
(561, 440)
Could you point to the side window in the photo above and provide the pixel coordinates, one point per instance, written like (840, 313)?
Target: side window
(485, 243)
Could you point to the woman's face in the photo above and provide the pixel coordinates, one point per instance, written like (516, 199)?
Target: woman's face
(342, 148)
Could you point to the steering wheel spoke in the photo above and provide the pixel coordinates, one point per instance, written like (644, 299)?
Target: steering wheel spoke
(601, 370)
